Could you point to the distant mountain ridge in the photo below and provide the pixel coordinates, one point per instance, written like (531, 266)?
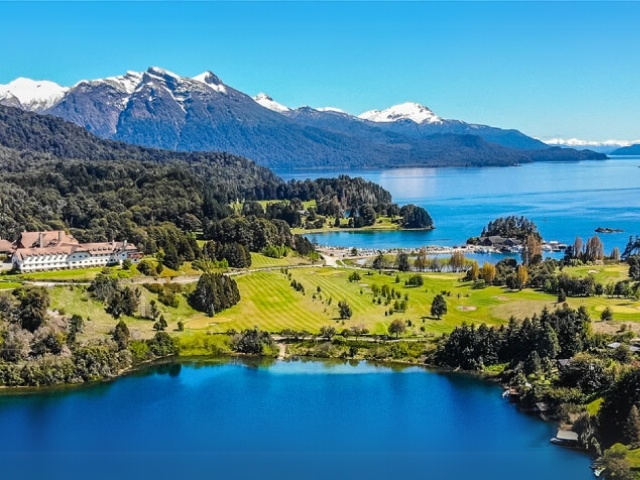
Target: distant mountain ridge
(161, 109)
(630, 150)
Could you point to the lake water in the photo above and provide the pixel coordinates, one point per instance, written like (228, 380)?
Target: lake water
(280, 420)
(565, 200)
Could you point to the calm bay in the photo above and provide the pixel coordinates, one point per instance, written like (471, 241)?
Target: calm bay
(565, 200)
(280, 420)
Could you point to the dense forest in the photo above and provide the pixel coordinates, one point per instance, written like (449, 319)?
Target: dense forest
(58, 176)
(554, 358)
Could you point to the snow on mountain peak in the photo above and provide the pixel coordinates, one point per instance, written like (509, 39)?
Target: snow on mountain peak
(331, 109)
(267, 102)
(161, 72)
(33, 95)
(405, 111)
(212, 81)
(127, 82)
(576, 142)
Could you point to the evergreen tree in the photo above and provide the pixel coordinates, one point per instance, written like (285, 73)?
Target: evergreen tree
(344, 310)
(171, 258)
(161, 324)
(123, 302)
(616, 407)
(121, 335)
(75, 327)
(632, 427)
(402, 262)
(438, 306)
(34, 303)
(532, 364)
(214, 292)
(562, 296)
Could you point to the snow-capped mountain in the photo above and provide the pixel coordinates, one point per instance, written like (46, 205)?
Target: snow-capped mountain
(267, 102)
(210, 80)
(405, 111)
(606, 146)
(159, 108)
(31, 95)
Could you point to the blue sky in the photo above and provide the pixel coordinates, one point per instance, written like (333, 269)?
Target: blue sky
(550, 69)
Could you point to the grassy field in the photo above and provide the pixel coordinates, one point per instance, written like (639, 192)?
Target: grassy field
(237, 206)
(262, 261)
(269, 302)
(77, 274)
(382, 224)
(74, 299)
(8, 285)
(602, 273)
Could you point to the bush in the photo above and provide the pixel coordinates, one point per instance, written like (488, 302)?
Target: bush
(162, 345)
(253, 341)
(415, 281)
(146, 267)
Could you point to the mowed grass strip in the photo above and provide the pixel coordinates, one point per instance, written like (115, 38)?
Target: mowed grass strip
(270, 303)
(262, 261)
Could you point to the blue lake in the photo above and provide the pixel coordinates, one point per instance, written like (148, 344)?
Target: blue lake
(280, 420)
(565, 200)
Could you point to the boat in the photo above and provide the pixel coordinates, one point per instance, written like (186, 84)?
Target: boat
(566, 438)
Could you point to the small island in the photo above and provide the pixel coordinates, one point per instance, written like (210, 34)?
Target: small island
(609, 230)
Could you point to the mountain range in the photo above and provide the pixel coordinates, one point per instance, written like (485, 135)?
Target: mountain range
(628, 150)
(158, 108)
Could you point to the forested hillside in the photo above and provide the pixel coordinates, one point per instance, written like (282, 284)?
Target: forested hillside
(56, 175)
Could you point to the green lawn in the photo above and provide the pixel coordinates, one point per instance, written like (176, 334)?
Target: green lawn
(602, 273)
(269, 302)
(76, 274)
(382, 224)
(262, 261)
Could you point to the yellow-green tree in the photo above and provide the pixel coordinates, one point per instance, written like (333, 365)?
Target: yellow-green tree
(522, 276)
(488, 272)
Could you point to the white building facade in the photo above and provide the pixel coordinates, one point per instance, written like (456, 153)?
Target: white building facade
(39, 251)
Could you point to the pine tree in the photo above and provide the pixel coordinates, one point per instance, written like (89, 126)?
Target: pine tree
(344, 309)
(632, 427)
(121, 335)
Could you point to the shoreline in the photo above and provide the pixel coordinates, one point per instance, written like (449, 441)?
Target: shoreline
(203, 360)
